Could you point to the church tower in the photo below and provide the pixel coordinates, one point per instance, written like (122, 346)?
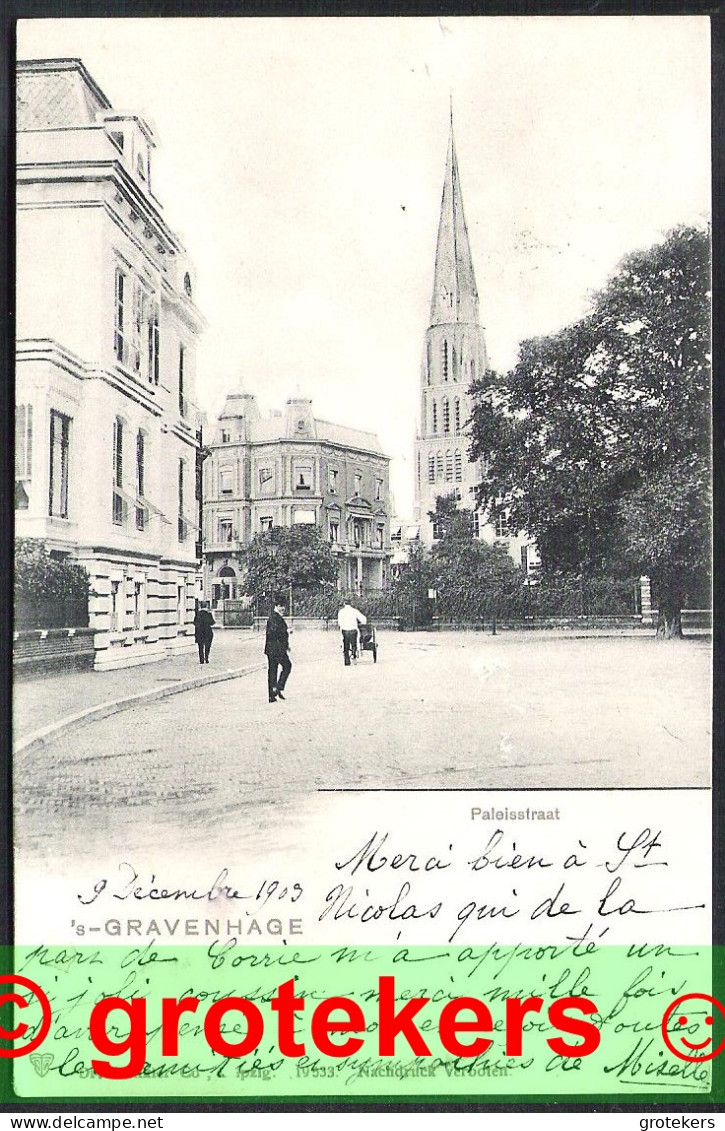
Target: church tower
(454, 356)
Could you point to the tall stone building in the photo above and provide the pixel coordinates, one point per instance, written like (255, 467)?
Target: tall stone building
(291, 468)
(454, 356)
(106, 336)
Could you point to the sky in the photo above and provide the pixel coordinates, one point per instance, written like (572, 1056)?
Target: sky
(301, 162)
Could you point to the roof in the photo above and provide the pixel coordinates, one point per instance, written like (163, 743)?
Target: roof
(455, 297)
(57, 94)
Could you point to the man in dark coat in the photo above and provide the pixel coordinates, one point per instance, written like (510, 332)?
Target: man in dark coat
(203, 631)
(276, 648)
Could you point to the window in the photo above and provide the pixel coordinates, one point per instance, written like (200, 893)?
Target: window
(266, 523)
(117, 512)
(381, 537)
(140, 168)
(446, 415)
(457, 415)
(449, 467)
(476, 524)
(334, 530)
(139, 604)
(439, 465)
(266, 480)
(226, 436)
(181, 602)
(502, 526)
(59, 445)
(141, 510)
(226, 481)
(378, 490)
(153, 344)
(525, 559)
(226, 531)
(303, 476)
(458, 466)
(140, 319)
(445, 361)
(437, 529)
(24, 442)
(358, 531)
(431, 468)
(181, 521)
(115, 625)
(119, 337)
(435, 417)
(182, 398)
(358, 484)
(332, 474)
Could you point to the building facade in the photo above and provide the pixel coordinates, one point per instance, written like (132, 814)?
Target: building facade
(454, 356)
(291, 468)
(106, 437)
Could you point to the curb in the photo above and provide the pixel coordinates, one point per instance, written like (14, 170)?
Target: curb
(114, 707)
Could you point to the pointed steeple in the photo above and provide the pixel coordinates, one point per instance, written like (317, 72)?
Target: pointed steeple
(455, 297)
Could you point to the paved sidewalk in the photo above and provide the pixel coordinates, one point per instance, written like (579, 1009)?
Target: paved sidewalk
(42, 701)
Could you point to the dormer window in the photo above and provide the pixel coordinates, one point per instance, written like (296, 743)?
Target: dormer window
(141, 166)
(187, 284)
(226, 436)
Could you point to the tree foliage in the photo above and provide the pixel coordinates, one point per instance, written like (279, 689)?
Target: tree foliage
(296, 556)
(38, 576)
(472, 578)
(597, 441)
(49, 592)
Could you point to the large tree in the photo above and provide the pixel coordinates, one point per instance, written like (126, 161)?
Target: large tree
(597, 441)
(296, 556)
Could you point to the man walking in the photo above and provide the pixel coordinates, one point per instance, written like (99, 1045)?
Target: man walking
(276, 648)
(348, 619)
(203, 631)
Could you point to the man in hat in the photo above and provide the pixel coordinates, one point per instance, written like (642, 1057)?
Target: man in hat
(276, 649)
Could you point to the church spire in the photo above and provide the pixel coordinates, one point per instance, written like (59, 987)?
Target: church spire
(455, 297)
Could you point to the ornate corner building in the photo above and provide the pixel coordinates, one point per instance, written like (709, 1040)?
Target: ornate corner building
(106, 329)
(290, 468)
(454, 356)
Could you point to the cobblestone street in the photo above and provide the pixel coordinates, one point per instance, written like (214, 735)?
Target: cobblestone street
(438, 711)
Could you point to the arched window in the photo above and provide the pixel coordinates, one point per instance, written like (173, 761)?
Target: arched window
(439, 464)
(431, 468)
(456, 415)
(428, 363)
(446, 415)
(445, 360)
(434, 409)
(454, 363)
(458, 466)
(449, 467)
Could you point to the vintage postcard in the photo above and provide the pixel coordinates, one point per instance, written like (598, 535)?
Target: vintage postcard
(363, 618)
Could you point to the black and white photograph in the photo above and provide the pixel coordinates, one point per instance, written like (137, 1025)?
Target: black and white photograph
(362, 451)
